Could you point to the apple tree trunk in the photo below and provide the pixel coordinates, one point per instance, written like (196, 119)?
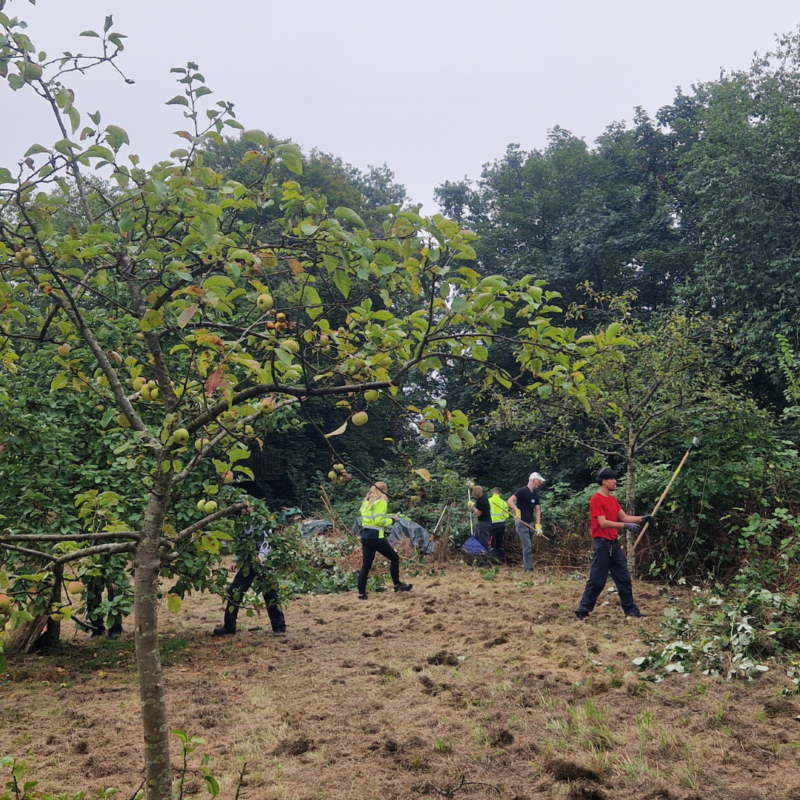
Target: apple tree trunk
(158, 772)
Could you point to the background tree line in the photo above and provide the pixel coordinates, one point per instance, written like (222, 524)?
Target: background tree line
(683, 228)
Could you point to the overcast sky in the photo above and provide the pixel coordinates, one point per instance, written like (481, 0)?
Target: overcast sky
(433, 88)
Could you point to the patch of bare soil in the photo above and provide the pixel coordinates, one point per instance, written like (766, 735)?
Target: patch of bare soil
(499, 693)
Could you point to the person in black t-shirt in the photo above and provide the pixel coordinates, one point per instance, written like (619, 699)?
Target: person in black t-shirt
(483, 511)
(528, 510)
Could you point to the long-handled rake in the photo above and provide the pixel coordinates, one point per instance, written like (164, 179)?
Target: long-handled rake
(695, 445)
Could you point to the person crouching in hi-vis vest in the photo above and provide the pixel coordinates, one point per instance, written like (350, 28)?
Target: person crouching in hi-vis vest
(374, 522)
(500, 516)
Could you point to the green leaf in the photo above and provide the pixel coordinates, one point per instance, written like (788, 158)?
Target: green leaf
(312, 299)
(59, 382)
(454, 440)
(218, 280)
(90, 33)
(342, 281)
(238, 453)
(34, 149)
(116, 137)
(291, 156)
(348, 214)
(241, 255)
(116, 40)
(174, 603)
(109, 22)
(256, 137)
(178, 100)
(74, 118)
(479, 352)
(151, 320)
(5, 176)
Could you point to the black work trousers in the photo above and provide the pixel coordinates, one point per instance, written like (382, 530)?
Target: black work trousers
(242, 581)
(95, 587)
(608, 558)
(498, 535)
(368, 549)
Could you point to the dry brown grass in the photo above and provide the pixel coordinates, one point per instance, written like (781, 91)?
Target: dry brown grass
(463, 688)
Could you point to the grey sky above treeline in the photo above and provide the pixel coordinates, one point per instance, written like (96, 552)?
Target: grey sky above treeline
(433, 88)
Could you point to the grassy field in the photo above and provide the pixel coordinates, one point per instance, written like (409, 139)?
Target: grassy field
(474, 685)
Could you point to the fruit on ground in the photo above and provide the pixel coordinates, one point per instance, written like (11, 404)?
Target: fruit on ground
(75, 587)
(360, 418)
(265, 302)
(181, 436)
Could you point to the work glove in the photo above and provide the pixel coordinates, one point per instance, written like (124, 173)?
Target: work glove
(647, 519)
(471, 504)
(518, 514)
(633, 527)
(538, 529)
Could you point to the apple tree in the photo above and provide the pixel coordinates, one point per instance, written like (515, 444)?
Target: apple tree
(193, 325)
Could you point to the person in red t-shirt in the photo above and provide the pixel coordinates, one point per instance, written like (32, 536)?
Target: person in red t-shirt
(608, 519)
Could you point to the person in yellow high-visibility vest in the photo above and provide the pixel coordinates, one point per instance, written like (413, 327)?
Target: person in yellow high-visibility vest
(375, 520)
(500, 516)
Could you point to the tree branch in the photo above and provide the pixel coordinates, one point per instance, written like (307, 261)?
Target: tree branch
(198, 526)
(54, 537)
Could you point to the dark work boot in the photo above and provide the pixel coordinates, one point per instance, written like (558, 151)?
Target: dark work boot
(224, 630)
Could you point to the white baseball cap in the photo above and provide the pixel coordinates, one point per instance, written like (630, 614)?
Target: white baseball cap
(535, 476)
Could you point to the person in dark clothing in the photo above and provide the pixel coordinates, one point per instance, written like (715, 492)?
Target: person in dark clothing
(483, 511)
(94, 600)
(107, 575)
(252, 547)
(528, 510)
(608, 519)
(374, 522)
